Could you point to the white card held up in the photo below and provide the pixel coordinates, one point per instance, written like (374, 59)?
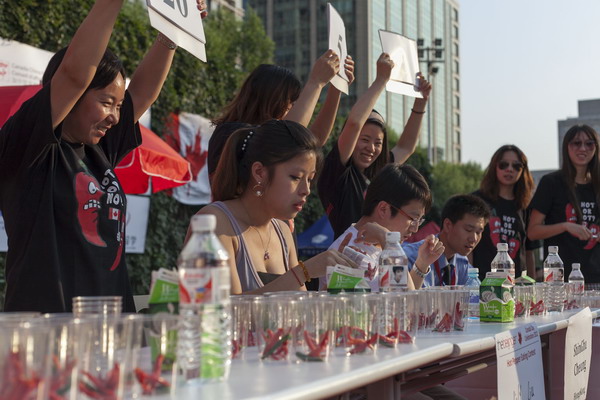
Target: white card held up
(403, 52)
(337, 43)
(180, 21)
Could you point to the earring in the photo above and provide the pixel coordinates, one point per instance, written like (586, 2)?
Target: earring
(258, 190)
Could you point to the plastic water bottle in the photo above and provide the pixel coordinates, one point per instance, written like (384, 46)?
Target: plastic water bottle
(204, 342)
(576, 280)
(393, 265)
(473, 284)
(502, 262)
(554, 271)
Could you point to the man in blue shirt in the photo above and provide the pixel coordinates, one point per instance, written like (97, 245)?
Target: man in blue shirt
(463, 219)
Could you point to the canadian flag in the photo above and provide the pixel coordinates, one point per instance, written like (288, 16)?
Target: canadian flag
(114, 213)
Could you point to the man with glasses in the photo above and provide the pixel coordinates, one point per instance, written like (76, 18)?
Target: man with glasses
(463, 220)
(396, 201)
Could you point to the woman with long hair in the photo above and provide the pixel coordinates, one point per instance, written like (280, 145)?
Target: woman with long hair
(263, 178)
(565, 205)
(361, 151)
(274, 92)
(63, 206)
(507, 187)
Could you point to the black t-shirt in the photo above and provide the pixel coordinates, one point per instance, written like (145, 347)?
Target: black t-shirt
(551, 199)
(342, 191)
(64, 210)
(507, 224)
(217, 142)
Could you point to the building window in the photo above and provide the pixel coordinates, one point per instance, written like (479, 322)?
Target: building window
(457, 102)
(455, 14)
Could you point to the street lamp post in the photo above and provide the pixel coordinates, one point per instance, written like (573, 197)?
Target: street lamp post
(431, 56)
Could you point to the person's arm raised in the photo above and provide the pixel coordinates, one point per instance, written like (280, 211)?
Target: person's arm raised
(81, 60)
(407, 142)
(363, 107)
(150, 75)
(324, 69)
(323, 123)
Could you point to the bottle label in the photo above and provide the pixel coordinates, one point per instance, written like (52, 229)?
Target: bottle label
(392, 276)
(577, 287)
(554, 275)
(203, 285)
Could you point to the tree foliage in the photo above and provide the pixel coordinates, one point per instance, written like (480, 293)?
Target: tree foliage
(451, 179)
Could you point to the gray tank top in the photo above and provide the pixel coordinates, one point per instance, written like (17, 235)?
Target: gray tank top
(249, 277)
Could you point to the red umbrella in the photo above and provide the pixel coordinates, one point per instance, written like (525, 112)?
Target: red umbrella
(153, 159)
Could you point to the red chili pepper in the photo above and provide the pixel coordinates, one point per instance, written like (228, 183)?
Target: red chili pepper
(101, 388)
(150, 382)
(310, 342)
(60, 376)
(387, 341)
(445, 324)
(537, 308)
(422, 321)
(276, 345)
(519, 309)
(17, 385)
(235, 348)
(404, 337)
(432, 317)
(459, 323)
(360, 345)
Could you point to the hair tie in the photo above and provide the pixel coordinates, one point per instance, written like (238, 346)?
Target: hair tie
(246, 139)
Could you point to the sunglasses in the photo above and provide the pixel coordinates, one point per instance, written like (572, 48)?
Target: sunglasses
(589, 144)
(517, 166)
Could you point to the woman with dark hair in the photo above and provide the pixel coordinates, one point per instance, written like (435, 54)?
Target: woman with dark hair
(565, 205)
(264, 177)
(273, 92)
(63, 205)
(361, 151)
(507, 187)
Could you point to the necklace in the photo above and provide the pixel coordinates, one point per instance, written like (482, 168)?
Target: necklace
(266, 256)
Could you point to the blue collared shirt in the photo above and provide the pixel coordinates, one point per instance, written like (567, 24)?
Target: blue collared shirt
(433, 278)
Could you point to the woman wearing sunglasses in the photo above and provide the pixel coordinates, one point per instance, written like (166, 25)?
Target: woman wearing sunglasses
(507, 187)
(565, 206)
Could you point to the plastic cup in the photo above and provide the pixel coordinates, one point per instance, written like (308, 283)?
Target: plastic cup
(155, 356)
(539, 299)
(314, 337)
(240, 325)
(523, 298)
(443, 322)
(276, 320)
(107, 358)
(358, 323)
(460, 311)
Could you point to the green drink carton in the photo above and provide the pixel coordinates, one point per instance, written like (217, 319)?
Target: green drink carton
(345, 279)
(496, 302)
(524, 280)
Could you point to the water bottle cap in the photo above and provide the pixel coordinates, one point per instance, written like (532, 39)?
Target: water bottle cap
(576, 266)
(203, 222)
(502, 246)
(552, 249)
(392, 237)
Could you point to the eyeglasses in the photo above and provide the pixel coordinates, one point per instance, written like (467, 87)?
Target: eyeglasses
(416, 222)
(517, 166)
(589, 144)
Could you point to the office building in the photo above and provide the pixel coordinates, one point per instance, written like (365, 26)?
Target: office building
(589, 114)
(299, 30)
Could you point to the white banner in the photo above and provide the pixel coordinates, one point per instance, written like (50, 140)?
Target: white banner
(578, 355)
(520, 370)
(138, 208)
(180, 21)
(189, 136)
(21, 64)
(337, 43)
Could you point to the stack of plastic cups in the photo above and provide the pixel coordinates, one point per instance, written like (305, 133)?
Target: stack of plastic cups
(105, 305)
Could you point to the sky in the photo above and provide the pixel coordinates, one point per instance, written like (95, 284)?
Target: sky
(524, 66)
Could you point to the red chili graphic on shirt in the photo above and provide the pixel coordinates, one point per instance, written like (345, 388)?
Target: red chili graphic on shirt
(513, 247)
(88, 193)
(570, 213)
(592, 242)
(495, 228)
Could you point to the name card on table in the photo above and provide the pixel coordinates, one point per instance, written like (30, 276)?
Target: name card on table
(520, 370)
(180, 21)
(578, 354)
(337, 43)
